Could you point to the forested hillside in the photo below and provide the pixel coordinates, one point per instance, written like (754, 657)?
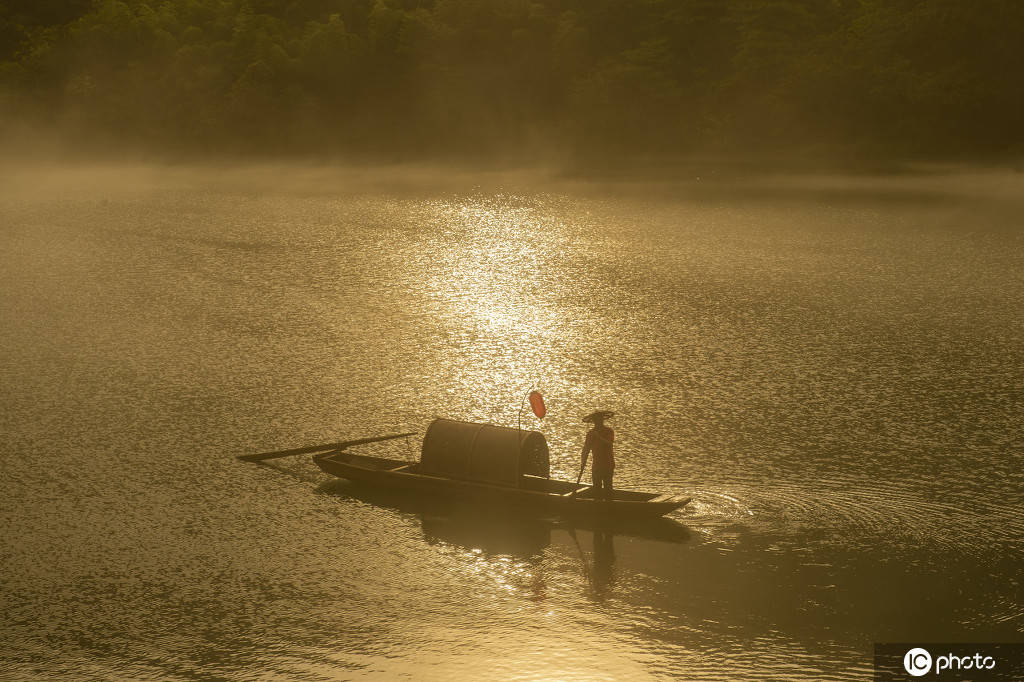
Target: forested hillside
(601, 78)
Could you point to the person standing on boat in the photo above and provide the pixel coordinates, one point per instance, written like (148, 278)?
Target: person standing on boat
(599, 441)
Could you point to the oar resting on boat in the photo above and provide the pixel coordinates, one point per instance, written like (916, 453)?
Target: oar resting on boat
(263, 456)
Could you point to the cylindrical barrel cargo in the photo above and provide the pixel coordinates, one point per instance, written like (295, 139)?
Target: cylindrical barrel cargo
(483, 452)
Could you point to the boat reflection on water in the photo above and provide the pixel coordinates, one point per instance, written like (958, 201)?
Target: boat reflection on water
(521, 538)
(500, 531)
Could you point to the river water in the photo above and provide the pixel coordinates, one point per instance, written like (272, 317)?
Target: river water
(833, 367)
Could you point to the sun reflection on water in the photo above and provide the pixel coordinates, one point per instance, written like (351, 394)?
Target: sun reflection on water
(502, 308)
(495, 273)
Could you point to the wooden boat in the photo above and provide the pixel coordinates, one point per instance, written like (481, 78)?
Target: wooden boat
(492, 464)
(489, 526)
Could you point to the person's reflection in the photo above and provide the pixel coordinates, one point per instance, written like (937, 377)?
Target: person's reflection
(603, 575)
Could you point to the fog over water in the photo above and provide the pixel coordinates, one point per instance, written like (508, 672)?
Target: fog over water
(831, 365)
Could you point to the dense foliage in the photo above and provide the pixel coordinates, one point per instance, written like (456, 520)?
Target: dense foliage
(601, 77)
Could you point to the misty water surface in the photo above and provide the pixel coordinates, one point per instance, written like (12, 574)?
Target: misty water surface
(831, 366)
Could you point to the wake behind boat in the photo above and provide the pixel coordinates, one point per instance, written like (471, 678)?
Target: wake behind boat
(483, 463)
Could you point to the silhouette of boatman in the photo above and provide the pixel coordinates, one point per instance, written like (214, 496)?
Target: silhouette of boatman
(599, 441)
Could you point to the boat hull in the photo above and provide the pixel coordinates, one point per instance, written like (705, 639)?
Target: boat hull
(547, 496)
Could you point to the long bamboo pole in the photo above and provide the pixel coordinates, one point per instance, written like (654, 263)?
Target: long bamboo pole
(263, 456)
